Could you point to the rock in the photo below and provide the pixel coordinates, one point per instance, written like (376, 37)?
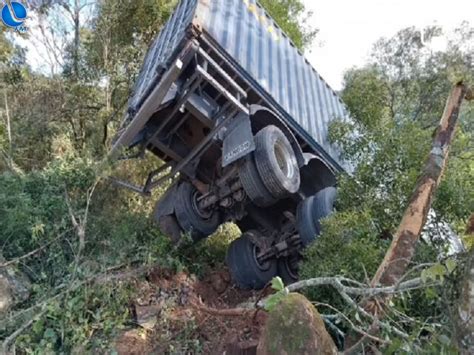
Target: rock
(219, 282)
(14, 287)
(294, 326)
(147, 316)
(6, 296)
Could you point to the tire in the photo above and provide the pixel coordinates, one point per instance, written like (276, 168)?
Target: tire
(244, 268)
(170, 227)
(286, 271)
(310, 212)
(189, 218)
(276, 162)
(253, 184)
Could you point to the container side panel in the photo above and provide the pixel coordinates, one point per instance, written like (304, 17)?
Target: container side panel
(245, 31)
(161, 53)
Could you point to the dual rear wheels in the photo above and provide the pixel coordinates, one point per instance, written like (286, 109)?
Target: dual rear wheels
(244, 260)
(267, 175)
(310, 211)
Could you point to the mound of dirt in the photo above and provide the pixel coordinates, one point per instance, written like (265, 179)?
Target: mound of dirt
(178, 313)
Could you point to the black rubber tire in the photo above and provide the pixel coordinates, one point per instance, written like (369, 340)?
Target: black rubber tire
(276, 162)
(286, 273)
(187, 216)
(169, 227)
(245, 270)
(253, 184)
(311, 210)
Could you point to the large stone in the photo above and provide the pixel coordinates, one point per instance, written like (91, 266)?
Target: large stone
(14, 287)
(294, 326)
(6, 296)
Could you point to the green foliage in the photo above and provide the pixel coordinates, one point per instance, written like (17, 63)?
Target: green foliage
(292, 17)
(349, 246)
(366, 94)
(209, 253)
(396, 101)
(61, 124)
(33, 212)
(281, 291)
(81, 321)
(438, 271)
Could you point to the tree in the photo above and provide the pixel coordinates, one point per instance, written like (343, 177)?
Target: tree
(395, 101)
(292, 16)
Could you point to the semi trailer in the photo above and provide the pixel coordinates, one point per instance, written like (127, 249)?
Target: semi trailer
(240, 120)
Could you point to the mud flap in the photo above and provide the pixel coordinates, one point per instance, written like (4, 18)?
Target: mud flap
(238, 140)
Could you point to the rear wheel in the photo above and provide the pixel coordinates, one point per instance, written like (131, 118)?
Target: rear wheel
(253, 184)
(310, 212)
(287, 270)
(276, 162)
(193, 220)
(170, 227)
(245, 268)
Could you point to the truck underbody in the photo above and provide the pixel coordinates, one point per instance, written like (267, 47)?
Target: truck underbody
(231, 157)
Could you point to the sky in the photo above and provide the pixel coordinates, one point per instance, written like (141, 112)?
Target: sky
(349, 28)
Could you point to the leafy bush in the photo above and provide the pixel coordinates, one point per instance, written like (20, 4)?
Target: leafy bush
(84, 319)
(33, 212)
(35, 216)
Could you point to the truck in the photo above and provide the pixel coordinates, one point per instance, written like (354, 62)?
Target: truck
(240, 120)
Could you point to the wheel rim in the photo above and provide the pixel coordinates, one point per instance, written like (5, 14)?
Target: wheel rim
(262, 266)
(204, 214)
(284, 159)
(288, 268)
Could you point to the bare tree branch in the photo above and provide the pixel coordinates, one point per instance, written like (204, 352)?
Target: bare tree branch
(362, 290)
(353, 326)
(11, 338)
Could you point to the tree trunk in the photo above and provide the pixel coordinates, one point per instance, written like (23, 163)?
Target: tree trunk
(403, 246)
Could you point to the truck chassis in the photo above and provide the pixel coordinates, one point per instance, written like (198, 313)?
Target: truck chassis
(218, 137)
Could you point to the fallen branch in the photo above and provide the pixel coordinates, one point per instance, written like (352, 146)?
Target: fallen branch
(224, 312)
(362, 290)
(11, 338)
(353, 326)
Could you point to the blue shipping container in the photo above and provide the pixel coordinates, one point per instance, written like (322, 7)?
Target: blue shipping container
(267, 58)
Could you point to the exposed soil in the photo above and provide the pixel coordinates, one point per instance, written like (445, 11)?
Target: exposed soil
(177, 313)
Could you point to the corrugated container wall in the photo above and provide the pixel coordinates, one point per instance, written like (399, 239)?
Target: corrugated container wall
(249, 35)
(162, 51)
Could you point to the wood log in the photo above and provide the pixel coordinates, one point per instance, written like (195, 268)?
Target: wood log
(403, 245)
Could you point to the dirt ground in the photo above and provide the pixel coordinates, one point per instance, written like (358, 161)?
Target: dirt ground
(177, 313)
